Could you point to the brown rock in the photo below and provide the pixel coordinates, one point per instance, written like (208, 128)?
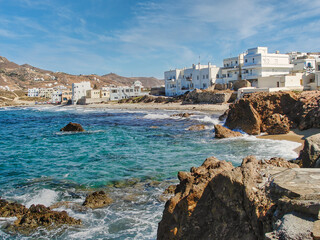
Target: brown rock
(222, 132)
(310, 154)
(242, 115)
(276, 124)
(97, 200)
(36, 216)
(219, 201)
(198, 127)
(72, 127)
(316, 230)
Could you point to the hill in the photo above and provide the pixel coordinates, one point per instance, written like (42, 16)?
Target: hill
(22, 77)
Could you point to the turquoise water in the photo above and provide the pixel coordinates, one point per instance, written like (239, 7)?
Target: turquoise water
(119, 152)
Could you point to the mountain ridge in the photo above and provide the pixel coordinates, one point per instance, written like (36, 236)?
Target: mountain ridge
(21, 77)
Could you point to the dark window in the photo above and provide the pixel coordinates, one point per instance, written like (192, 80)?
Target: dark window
(246, 60)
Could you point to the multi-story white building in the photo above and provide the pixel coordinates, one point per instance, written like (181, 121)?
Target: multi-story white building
(33, 92)
(46, 92)
(231, 70)
(317, 74)
(123, 92)
(259, 63)
(79, 91)
(56, 96)
(179, 81)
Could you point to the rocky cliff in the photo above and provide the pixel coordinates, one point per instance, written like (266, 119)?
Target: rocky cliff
(275, 113)
(253, 201)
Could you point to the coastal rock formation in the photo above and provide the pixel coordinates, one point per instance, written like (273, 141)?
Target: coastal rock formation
(240, 84)
(97, 200)
(207, 96)
(198, 127)
(72, 127)
(36, 216)
(222, 132)
(219, 201)
(310, 154)
(242, 115)
(275, 113)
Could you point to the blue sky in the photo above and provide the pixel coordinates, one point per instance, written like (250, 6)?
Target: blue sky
(146, 38)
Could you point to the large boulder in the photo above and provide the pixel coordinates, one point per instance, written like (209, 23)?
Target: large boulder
(72, 127)
(219, 201)
(310, 154)
(28, 220)
(222, 132)
(97, 200)
(243, 116)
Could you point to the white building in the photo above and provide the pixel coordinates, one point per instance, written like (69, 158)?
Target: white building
(179, 81)
(259, 63)
(33, 92)
(317, 75)
(56, 96)
(231, 70)
(123, 92)
(290, 81)
(46, 92)
(79, 91)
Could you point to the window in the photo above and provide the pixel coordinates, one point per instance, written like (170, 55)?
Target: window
(318, 67)
(207, 76)
(253, 60)
(204, 85)
(197, 77)
(203, 76)
(236, 62)
(217, 76)
(246, 60)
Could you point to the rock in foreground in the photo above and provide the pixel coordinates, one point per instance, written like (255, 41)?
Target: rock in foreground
(36, 216)
(310, 154)
(222, 132)
(97, 200)
(72, 127)
(219, 201)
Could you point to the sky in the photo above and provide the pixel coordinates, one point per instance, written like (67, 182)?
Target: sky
(145, 38)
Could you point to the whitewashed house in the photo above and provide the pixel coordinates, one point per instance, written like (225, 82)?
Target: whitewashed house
(259, 63)
(179, 81)
(291, 81)
(56, 96)
(46, 92)
(231, 70)
(79, 91)
(317, 75)
(33, 92)
(122, 92)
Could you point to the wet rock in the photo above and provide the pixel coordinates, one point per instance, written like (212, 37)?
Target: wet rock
(198, 127)
(222, 132)
(97, 200)
(184, 115)
(72, 127)
(224, 115)
(36, 216)
(310, 154)
(11, 209)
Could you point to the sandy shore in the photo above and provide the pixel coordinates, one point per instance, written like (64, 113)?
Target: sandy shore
(220, 108)
(294, 135)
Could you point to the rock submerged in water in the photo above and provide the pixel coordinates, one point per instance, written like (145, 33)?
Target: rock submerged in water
(222, 132)
(28, 220)
(97, 200)
(72, 127)
(198, 127)
(184, 115)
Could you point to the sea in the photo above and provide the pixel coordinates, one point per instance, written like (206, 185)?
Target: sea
(133, 155)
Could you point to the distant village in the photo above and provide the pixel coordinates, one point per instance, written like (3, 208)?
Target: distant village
(255, 70)
(83, 93)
